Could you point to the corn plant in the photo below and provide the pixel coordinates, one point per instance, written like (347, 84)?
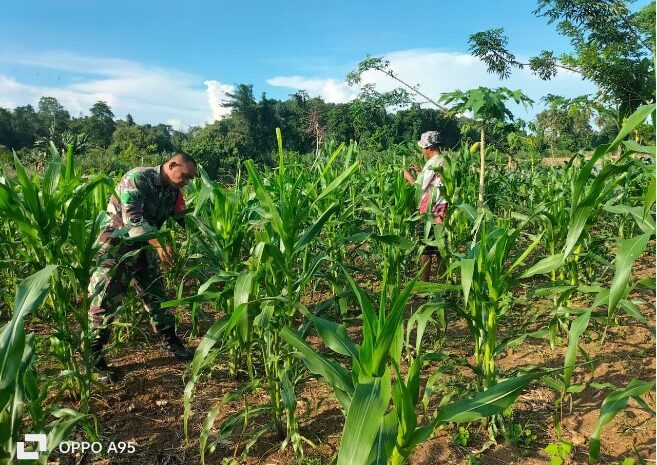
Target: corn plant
(58, 224)
(489, 270)
(277, 274)
(373, 433)
(19, 387)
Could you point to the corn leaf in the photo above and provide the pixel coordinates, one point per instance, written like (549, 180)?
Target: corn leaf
(335, 337)
(628, 252)
(337, 376)
(29, 295)
(366, 412)
(577, 328)
(545, 265)
(487, 403)
(614, 403)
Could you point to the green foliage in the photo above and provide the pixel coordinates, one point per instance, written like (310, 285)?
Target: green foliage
(521, 436)
(558, 451)
(612, 46)
(461, 437)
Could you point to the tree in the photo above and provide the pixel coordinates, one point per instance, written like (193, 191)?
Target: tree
(100, 126)
(565, 124)
(53, 118)
(612, 47)
(219, 147)
(244, 107)
(25, 127)
(487, 107)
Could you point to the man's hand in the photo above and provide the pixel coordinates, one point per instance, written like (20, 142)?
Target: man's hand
(165, 253)
(415, 167)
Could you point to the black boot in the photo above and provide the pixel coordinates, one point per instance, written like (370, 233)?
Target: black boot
(106, 374)
(173, 344)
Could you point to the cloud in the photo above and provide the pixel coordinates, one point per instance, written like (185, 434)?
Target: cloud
(149, 93)
(437, 72)
(330, 90)
(216, 96)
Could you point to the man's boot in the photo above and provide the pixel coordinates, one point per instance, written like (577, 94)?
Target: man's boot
(98, 361)
(173, 344)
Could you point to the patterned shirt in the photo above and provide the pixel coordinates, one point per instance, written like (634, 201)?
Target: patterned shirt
(144, 203)
(431, 183)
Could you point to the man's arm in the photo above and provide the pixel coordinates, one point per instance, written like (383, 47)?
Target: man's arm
(132, 213)
(409, 177)
(131, 196)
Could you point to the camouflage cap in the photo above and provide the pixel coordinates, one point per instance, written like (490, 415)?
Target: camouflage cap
(429, 139)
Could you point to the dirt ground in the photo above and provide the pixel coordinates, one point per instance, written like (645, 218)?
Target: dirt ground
(146, 406)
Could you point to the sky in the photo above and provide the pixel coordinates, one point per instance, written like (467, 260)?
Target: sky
(172, 61)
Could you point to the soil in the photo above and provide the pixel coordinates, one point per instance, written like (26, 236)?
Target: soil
(146, 405)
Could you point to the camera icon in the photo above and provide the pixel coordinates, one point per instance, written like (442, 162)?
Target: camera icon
(40, 439)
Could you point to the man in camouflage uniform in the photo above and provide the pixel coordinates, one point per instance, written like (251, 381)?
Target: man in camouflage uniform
(147, 196)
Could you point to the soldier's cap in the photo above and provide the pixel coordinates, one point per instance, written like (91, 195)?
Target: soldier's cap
(429, 139)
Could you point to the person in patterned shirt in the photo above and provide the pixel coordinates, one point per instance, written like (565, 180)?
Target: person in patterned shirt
(129, 250)
(433, 205)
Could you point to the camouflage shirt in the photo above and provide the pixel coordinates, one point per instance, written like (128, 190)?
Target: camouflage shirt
(144, 203)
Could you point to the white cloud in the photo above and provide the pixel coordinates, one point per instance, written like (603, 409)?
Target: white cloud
(437, 72)
(150, 94)
(330, 90)
(216, 96)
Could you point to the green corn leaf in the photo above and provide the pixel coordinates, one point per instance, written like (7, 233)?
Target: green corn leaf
(370, 325)
(468, 210)
(393, 240)
(208, 423)
(577, 328)
(636, 118)
(335, 375)
(337, 182)
(614, 403)
(632, 310)
(366, 412)
(266, 201)
(212, 336)
(467, 272)
(289, 396)
(633, 146)
(315, 228)
(390, 330)
(202, 297)
(545, 265)
(421, 317)
(577, 224)
(628, 252)
(527, 251)
(61, 428)
(29, 190)
(385, 440)
(487, 403)
(29, 295)
(335, 337)
(243, 287)
(70, 162)
(644, 221)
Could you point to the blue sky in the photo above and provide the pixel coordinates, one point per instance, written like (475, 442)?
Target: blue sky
(172, 61)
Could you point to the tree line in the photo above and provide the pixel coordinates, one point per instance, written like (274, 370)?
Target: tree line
(374, 120)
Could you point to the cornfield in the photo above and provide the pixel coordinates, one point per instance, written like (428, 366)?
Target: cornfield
(306, 273)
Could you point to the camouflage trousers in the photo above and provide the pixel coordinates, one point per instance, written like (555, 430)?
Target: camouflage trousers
(110, 280)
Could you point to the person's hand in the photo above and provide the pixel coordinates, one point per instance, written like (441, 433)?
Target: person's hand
(165, 254)
(415, 167)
